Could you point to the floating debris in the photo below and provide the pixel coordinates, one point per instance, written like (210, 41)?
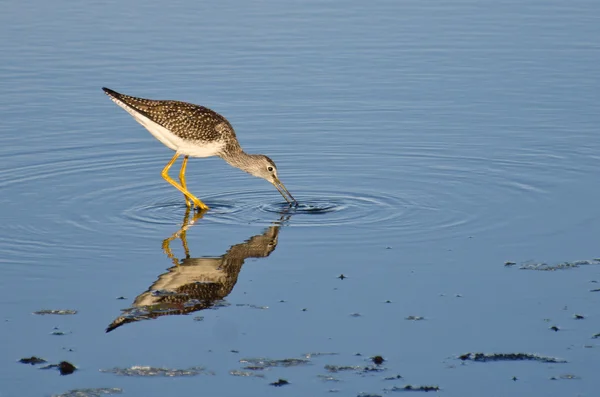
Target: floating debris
(339, 368)
(252, 306)
(595, 290)
(65, 312)
(509, 263)
(482, 357)
(341, 277)
(369, 395)
(414, 388)
(199, 318)
(328, 378)
(415, 318)
(393, 377)
(578, 316)
(378, 360)
(90, 392)
(565, 376)
(267, 363)
(236, 372)
(317, 354)
(560, 266)
(137, 370)
(280, 382)
(64, 367)
(58, 333)
(554, 328)
(355, 315)
(596, 336)
(33, 360)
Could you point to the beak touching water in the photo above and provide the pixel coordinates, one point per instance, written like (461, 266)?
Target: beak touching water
(285, 193)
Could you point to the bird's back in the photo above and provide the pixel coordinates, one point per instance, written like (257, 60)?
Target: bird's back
(185, 120)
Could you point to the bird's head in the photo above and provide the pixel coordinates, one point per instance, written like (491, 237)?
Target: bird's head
(263, 167)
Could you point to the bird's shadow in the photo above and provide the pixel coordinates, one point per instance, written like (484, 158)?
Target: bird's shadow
(197, 283)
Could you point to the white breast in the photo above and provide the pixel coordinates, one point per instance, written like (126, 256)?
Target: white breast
(170, 140)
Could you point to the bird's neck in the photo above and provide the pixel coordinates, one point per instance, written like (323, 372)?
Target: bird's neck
(240, 159)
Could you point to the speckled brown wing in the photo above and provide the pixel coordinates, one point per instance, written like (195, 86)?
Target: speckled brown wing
(185, 120)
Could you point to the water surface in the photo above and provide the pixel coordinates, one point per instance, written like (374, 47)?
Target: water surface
(427, 143)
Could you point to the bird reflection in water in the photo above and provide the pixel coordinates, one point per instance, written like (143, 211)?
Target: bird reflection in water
(194, 284)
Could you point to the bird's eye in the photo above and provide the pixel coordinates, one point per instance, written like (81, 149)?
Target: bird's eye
(270, 169)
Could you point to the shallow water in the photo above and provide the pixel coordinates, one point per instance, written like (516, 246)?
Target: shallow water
(428, 144)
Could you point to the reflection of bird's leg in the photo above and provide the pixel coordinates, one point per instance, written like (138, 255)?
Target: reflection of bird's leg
(165, 175)
(181, 233)
(182, 179)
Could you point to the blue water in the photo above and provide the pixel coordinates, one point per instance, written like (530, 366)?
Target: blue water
(435, 141)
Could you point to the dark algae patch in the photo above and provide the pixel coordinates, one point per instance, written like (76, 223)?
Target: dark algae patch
(33, 360)
(414, 388)
(279, 383)
(64, 367)
(484, 357)
(378, 360)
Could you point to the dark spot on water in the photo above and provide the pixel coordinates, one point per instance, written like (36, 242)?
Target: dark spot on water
(415, 318)
(596, 336)
(509, 263)
(378, 360)
(578, 317)
(415, 388)
(393, 377)
(554, 328)
(33, 360)
(121, 298)
(280, 382)
(341, 277)
(595, 290)
(514, 378)
(485, 357)
(64, 367)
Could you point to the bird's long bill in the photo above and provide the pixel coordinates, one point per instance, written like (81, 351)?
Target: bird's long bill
(284, 192)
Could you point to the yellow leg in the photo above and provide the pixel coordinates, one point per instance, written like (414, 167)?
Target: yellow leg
(165, 175)
(182, 180)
